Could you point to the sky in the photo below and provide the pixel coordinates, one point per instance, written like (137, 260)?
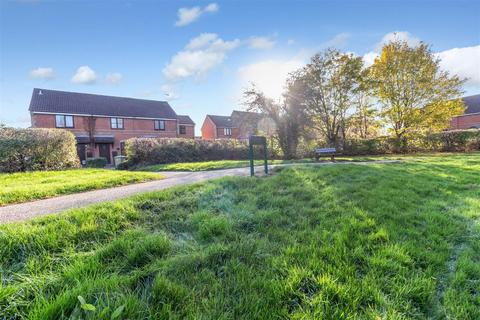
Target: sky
(200, 56)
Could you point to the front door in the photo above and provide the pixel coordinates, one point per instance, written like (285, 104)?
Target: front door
(104, 149)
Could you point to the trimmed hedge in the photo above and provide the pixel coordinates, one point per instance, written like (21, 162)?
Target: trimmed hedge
(98, 162)
(446, 141)
(145, 151)
(37, 149)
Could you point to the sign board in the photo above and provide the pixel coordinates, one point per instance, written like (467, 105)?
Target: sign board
(257, 140)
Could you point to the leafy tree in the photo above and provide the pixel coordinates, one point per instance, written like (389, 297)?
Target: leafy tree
(414, 93)
(331, 80)
(364, 122)
(288, 114)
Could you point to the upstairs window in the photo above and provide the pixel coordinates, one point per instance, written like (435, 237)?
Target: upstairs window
(182, 129)
(227, 131)
(62, 121)
(159, 125)
(116, 123)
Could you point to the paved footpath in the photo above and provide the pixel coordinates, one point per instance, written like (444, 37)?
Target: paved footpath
(29, 210)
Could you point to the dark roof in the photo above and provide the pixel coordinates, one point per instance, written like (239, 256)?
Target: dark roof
(54, 101)
(242, 117)
(221, 121)
(472, 103)
(185, 120)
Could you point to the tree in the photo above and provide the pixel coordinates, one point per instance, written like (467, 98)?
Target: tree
(364, 122)
(288, 114)
(414, 93)
(331, 80)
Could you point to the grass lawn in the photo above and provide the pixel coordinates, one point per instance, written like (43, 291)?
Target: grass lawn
(210, 165)
(27, 186)
(377, 241)
(227, 164)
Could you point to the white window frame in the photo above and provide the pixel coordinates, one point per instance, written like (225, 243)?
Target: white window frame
(227, 131)
(63, 122)
(116, 123)
(159, 125)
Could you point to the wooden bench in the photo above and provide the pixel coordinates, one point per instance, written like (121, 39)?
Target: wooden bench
(325, 152)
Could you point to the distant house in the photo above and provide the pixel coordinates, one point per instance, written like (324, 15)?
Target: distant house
(101, 124)
(471, 117)
(239, 125)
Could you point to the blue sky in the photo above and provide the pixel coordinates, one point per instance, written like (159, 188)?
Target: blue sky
(199, 55)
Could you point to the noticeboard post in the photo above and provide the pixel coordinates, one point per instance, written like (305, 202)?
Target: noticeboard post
(257, 140)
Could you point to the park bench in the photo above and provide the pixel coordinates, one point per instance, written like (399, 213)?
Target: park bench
(325, 152)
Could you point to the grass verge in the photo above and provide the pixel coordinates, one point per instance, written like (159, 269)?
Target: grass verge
(377, 241)
(27, 186)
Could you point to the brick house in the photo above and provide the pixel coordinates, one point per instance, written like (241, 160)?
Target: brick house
(239, 125)
(471, 117)
(101, 124)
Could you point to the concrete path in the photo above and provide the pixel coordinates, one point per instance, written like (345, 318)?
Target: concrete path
(29, 210)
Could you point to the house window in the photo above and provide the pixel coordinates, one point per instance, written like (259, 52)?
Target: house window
(159, 125)
(182, 129)
(227, 131)
(62, 121)
(116, 123)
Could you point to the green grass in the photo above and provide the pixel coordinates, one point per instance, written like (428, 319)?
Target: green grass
(228, 164)
(27, 186)
(211, 165)
(377, 241)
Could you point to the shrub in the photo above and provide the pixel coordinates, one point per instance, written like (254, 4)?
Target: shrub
(146, 151)
(449, 141)
(98, 162)
(37, 149)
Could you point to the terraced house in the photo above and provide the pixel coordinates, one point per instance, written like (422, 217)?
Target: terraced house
(101, 124)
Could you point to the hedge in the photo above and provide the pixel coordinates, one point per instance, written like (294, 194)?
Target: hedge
(98, 162)
(446, 141)
(37, 149)
(144, 151)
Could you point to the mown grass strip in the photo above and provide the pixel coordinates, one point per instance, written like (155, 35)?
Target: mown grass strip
(27, 186)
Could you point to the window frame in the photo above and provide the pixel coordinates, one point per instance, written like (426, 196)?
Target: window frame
(159, 127)
(64, 117)
(182, 128)
(227, 132)
(115, 120)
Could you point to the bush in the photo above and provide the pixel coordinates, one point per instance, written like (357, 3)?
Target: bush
(98, 162)
(145, 151)
(37, 149)
(446, 141)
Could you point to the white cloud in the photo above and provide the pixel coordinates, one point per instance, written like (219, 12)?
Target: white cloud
(42, 73)
(464, 62)
(200, 55)
(261, 43)
(84, 75)
(369, 58)
(338, 41)
(113, 77)
(290, 42)
(270, 75)
(189, 15)
(212, 7)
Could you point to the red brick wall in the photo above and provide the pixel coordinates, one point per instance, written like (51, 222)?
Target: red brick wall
(189, 132)
(132, 128)
(221, 135)
(208, 129)
(465, 121)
